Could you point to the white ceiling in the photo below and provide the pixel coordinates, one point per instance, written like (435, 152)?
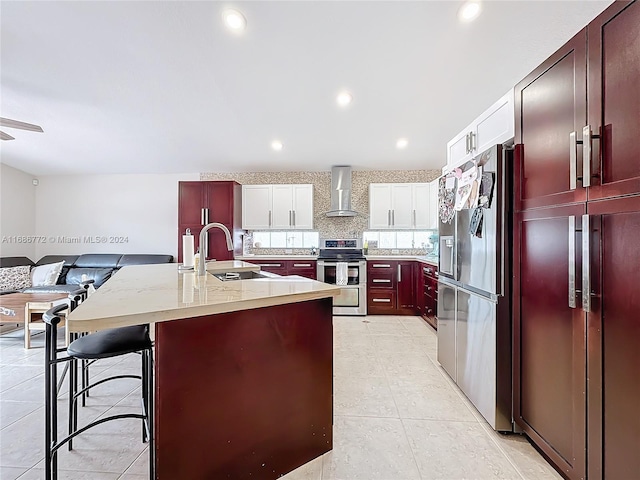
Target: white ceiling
(163, 87)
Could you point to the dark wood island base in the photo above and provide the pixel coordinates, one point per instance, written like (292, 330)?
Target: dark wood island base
(246, 394)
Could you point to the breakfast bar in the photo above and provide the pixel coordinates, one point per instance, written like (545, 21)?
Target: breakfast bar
(243, 367)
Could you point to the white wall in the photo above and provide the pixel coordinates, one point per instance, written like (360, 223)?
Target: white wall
(132, 213)
(17, 212)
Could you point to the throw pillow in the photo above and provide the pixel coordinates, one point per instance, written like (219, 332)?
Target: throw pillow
(46, 275)
(15, 278)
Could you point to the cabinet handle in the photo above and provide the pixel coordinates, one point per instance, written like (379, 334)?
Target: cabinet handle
(472, 141)
(572, 261)
(586, 272)
(202, 217)
(587, 136)
(269, 264)
(466, 143)
(269, 217)
(380, 280)
(414, 219)
(393, 217)
(381, 300)
(389, 217)
(301, 264)
(573, 160)
(293, 214)
(429, 287)
(381, 265)
(399, 274)
(206, 213)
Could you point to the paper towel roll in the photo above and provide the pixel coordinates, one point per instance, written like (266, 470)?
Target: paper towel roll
(187, 250)
(188, 284)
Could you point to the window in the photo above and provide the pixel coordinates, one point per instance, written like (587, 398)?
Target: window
(401, 239)
(286, 239)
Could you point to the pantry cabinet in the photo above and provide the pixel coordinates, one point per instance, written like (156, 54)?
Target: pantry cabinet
(495, 125)
(398, 206)
(277, 207)
(204, 202)
(576, 256)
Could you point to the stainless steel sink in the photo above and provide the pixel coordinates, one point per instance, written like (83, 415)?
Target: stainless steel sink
(232, 276)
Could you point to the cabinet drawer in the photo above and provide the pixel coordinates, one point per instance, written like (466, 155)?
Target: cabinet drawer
(381, 301)
(381, 280)
(304, 268)
(278, 267)
(381, 266)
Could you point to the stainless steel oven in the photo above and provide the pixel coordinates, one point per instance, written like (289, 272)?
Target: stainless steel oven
(341, 262)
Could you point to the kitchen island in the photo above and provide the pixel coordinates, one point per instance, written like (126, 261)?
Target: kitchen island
(243, 368)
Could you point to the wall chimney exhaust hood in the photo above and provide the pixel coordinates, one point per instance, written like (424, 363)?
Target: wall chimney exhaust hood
(341, 193)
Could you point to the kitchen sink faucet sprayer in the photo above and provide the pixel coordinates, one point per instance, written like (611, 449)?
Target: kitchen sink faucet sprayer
(203, 234)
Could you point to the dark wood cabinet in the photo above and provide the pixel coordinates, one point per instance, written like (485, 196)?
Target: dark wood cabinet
(576, 329)
(304, 268)
(381, 287)
(613, 338)
(550, 104)
(419, 280)
(614, 101)
(577, 116)
(550, 350)
(391, 287)
(429, 274)
(405, 288)
(200, 203)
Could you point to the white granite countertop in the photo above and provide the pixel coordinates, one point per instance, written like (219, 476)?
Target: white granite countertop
(423, 259)
(140, 294)
(248, 258)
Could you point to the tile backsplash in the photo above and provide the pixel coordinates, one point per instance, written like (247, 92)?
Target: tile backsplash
(330, 227)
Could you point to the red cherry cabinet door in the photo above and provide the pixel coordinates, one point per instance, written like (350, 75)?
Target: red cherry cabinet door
(550, 336)
(550, 104)
(614, 101)
(614, 339)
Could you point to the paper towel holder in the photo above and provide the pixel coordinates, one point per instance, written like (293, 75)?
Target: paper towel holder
(186, 252)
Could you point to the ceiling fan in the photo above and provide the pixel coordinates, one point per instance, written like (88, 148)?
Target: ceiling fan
(6, 122)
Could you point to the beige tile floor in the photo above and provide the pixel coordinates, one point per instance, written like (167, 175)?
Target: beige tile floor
(397, 416)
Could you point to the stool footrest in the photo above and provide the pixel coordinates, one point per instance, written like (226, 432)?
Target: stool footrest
(115, 377)
(56, 446)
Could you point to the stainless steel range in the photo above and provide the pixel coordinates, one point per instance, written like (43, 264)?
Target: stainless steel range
(341, 262)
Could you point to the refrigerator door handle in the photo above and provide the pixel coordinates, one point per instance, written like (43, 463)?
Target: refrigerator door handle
(586, 271)
(572, 261)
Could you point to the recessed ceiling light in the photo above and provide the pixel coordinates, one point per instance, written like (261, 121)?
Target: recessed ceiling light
(234, 20)
(469, 11)
(402, 143)
(277, 145)
(344, 99)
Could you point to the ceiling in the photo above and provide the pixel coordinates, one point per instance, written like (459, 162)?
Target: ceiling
(164, 87)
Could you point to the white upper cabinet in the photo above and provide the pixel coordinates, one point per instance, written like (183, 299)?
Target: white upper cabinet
(433, 205)
(256, 207)
(398, 206)
(421, 205)
(277, 207)
(495, 125)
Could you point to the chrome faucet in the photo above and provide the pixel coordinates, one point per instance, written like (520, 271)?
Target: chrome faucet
(203, 235)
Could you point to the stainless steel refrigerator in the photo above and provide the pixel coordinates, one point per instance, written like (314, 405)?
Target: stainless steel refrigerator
(474, 294)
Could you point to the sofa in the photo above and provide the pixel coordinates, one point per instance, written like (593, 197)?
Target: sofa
(98, 267)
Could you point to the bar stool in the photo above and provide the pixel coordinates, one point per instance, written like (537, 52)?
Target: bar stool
(102, 344)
